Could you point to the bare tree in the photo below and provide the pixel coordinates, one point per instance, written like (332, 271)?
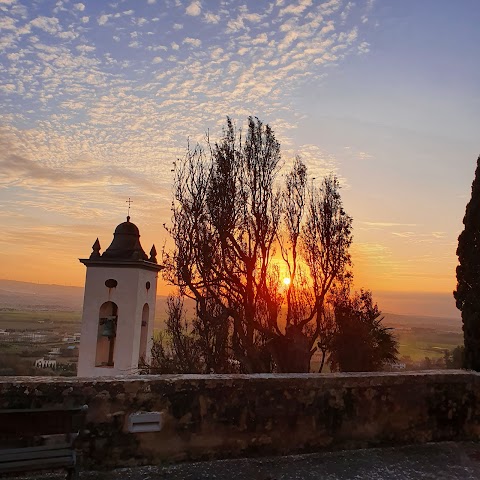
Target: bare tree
(225, 217)
(317, 227)
(293, 212)
(327, 236)
(228, 218)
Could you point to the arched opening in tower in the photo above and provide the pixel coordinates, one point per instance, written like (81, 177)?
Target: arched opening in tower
(107, 332)
(142, 353)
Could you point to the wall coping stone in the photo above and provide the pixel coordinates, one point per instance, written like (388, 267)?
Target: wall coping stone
(281, 377)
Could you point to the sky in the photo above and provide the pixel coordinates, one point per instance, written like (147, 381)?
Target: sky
(99, 98)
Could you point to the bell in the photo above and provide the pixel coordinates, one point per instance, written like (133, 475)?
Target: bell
(108, 327)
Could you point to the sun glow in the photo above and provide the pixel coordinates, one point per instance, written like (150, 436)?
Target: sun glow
(286, 281)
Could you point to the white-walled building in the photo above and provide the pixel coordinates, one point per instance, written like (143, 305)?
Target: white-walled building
(46, 363)
(119, 306)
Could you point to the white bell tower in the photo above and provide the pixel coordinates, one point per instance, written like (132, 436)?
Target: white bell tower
(118, 306)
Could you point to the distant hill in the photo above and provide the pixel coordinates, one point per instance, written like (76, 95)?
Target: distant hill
(41, 297)
(423, 310)
(422, 321)
(36, 296)
(417, 303)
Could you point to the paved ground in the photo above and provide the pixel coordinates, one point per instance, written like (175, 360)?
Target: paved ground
(435, 461)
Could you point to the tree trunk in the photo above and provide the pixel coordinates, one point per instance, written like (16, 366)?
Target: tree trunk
(322, 362)
(291, 351)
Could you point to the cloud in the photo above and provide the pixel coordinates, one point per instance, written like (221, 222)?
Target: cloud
(103, 19)
(216, 53)
(415, 237)
(377, 255)
(195, 42)
(331, 6)
(388, 224)
(295, 9)
(194, 9)
(19, 170)
(210, 17)
(47, 24)
(260, 39)
(363, 48)
(288, 39)
(346, 11)
(85, 48)
(364, 156)
(404, 234)
(79, 6)
(348, 37)
(8, 23)
(239, 23)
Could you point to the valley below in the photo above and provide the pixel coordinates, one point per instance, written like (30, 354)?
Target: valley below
(43, 322)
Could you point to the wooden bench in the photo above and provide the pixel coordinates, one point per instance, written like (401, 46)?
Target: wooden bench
(22, 430)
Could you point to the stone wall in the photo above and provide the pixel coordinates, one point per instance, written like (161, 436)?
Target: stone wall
(219, 416)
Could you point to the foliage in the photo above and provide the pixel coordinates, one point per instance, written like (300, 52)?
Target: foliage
(455, 358)
(162, 358)
(11, 364)
(467, 294)
(176, 349)
(360, 343)
(185, 346)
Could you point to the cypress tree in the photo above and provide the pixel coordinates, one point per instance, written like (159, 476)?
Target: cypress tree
(467, 294)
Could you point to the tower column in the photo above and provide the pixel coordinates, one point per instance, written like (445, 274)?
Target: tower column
(119, 306)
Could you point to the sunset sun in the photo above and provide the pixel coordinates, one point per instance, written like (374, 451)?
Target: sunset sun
(286, 281)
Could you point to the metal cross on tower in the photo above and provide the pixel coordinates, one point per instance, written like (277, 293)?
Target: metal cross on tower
(129, 203)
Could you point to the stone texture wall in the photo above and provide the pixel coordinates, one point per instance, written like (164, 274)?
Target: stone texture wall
(219, 416)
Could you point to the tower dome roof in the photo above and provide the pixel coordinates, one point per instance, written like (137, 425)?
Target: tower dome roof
(127, 228)
(126, 243)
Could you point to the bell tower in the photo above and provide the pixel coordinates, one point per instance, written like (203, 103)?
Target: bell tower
(118, 306)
